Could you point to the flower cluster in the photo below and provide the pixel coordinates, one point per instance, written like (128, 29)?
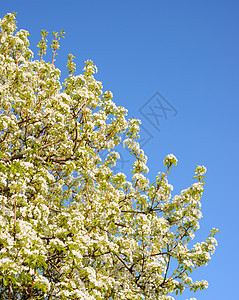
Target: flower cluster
(170, 160)
(69, 227)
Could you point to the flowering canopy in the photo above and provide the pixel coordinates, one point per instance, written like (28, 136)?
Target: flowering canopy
(70, 228)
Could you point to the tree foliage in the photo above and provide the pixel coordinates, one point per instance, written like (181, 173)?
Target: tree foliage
(70, 228)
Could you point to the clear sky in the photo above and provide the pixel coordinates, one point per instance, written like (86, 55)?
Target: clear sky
(174, 65)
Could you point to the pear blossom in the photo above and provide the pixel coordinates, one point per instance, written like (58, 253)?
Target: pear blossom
(69, 227)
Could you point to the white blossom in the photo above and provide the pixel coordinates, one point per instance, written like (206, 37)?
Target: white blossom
(69, 227)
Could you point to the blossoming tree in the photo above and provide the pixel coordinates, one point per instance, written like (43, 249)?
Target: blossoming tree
(69, 227)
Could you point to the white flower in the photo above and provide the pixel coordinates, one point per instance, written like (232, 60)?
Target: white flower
(170, 160)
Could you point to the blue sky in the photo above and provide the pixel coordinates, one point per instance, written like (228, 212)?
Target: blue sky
(188, 52)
